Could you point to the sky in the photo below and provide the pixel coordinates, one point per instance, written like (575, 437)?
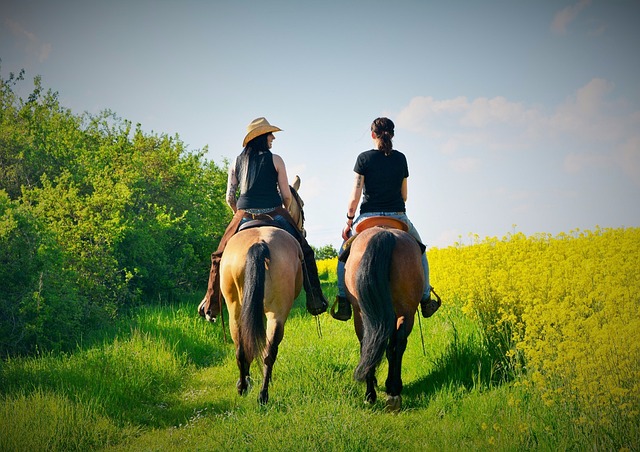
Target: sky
(514, 116)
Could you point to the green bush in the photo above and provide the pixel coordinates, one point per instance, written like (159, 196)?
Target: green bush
(97, 217)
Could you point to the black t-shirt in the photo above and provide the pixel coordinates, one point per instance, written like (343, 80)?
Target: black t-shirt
(383, 176)
(262, 192)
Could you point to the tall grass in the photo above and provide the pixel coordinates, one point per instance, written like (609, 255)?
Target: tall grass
(43, 420)
(165, 380)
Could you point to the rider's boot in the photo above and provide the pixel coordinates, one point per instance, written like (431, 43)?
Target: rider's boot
(211, 299)
(316, 302)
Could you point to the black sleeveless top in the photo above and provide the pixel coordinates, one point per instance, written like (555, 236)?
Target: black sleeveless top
(263, 192)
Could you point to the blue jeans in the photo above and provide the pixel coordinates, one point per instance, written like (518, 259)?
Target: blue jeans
(412, 230)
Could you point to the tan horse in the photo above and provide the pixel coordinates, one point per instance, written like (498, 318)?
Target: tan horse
(385, 282)
(260, 276)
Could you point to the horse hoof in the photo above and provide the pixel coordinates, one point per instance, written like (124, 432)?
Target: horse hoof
(263, 398)
(394, 403)
(370, 398)
(242, 385)
(211, 319)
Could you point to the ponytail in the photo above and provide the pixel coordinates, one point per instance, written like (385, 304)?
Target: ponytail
(383, 129)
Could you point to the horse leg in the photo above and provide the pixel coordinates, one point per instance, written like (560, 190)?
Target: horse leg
(243, 366)
(275, 333)
(370, 395)
(395, 351)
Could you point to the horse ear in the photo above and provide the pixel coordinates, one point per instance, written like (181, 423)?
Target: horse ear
(296, 183)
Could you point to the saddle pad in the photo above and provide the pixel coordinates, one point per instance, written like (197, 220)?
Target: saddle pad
(382, 221)
(257, 223)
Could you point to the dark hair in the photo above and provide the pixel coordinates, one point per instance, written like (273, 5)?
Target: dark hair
(245, 169)
(383, 128)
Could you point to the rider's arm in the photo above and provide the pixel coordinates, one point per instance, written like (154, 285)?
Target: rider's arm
(232, 188)
(356, 193)
(403, 190)
(283, 181)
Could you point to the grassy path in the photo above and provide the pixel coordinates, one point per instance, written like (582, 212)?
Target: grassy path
(165, 380)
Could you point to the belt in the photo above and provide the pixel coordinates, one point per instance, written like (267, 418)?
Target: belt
(258, 216)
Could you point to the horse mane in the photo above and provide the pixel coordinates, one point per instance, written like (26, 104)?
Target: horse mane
(296, 208)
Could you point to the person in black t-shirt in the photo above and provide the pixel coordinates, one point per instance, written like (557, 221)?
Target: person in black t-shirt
(381, 180)
(257, 185)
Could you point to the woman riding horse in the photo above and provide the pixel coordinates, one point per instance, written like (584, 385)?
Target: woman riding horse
(381, 175)
(260, 177)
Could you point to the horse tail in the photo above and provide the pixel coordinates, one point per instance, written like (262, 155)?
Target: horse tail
(252, 328)
(374, 295)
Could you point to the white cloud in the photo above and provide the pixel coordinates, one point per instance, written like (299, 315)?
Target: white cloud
(589, 99)
(576, 162)
(30, 43)
(458, 123)
(564, 17)
(483, 111)
(446, 238)
(465, 164)
(629, 158)
(589, 126)
(432, 117)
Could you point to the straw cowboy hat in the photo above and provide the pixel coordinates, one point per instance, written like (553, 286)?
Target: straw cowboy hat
(258, 127)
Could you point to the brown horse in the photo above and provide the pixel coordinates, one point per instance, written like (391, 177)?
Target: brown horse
(385, 282)
(260, 276)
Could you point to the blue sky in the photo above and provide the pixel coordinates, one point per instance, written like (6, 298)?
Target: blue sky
(517, 115)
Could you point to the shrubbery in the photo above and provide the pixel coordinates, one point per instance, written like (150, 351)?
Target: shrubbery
(95, 217)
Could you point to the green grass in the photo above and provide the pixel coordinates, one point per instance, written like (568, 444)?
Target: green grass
(165, 380)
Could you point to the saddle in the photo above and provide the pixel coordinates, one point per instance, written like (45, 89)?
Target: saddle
(383, 222)
(369, 222)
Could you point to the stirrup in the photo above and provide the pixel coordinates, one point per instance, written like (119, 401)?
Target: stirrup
(316, 303)
(341, 309)
(429, 306)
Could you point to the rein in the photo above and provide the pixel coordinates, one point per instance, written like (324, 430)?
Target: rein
(318, 329)
(424, 353)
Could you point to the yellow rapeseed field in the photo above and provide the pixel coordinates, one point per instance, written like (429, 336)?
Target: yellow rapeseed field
(564, 309)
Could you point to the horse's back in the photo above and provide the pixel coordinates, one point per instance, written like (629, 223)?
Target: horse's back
(406, 274)
(284, 268)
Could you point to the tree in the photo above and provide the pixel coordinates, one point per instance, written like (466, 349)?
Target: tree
(325, 252)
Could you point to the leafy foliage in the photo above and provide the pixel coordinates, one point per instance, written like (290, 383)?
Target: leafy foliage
(325, 252)
(95, 217)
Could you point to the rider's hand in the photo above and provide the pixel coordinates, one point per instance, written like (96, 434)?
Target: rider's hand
(346, 232)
